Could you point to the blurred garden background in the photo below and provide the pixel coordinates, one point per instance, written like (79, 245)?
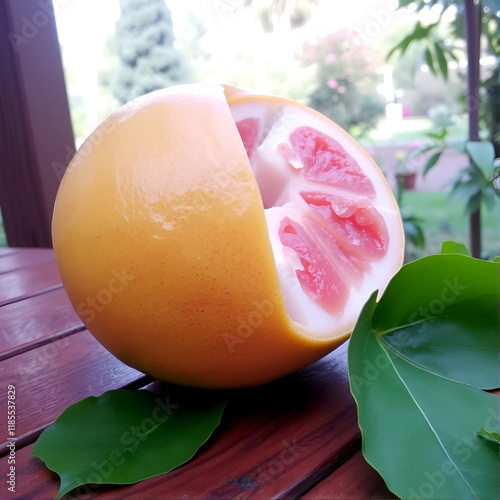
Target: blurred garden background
(394, 74)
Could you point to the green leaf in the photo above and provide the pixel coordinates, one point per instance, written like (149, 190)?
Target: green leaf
(483, 156)
(421, 150)
(492, 435)
(490, 197)
(468, 190)
(432, 161)
(441, 60)
(413, 231)
(439, 136)
(429, 60)
(454, 247)
(125, 436)
(473, 203)
(416, 361)
(419, 33)
(452, 298)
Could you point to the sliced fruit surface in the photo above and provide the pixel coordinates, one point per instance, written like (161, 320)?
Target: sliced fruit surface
(333, 222)
(215, 238)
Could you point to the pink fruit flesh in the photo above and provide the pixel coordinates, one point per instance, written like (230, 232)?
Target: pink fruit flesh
(341, 232)
(319, 280)
(319, 153)
(248, 129)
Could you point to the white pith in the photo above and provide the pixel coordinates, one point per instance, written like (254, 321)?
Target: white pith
(280, 179)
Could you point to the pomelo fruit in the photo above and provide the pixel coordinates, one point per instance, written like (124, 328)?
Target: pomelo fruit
(222, 240)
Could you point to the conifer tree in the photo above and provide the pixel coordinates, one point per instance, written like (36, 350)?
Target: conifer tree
(144, 43)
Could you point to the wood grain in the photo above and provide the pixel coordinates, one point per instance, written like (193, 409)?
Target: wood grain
(28, 282)
(52, 377)
(26, 258)
(8, 251)
(354, 480)
(30, 323)
(275, 441)
(34, 152)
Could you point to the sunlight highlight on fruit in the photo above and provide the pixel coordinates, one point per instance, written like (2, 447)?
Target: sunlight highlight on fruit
(251, 228)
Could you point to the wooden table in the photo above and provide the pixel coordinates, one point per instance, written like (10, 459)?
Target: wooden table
(295, 437)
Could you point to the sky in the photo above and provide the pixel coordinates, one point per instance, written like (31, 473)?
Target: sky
(85, 25)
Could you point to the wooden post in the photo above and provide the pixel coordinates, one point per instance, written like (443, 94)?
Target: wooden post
(473, 36)
(36, 138)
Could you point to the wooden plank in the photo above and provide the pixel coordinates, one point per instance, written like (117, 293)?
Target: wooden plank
(32, 88)
(52, 377)
(28, 282)
(35, 321)
(353, 480)
(8, 251)
(24, 258)
(277, 440)
(33, 479)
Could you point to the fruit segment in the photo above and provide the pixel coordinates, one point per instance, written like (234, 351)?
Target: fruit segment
(327, 208)
(327, 162)
(356, 225)
(248, 130)
(318, 278)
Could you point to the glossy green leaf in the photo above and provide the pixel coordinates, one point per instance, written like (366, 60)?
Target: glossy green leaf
(124, 436)
(449, 302)
(416, 362)
(454, 247)
(483, 156)
(495, 436)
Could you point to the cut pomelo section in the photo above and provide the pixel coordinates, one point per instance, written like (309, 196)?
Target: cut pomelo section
(333, 221)
(211, 237)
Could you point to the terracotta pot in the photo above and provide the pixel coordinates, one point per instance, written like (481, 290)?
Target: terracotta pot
(408, 180)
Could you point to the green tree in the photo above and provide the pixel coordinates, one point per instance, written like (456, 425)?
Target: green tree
(144, 43)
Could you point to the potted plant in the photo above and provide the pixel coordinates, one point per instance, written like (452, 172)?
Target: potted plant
(405, 173)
